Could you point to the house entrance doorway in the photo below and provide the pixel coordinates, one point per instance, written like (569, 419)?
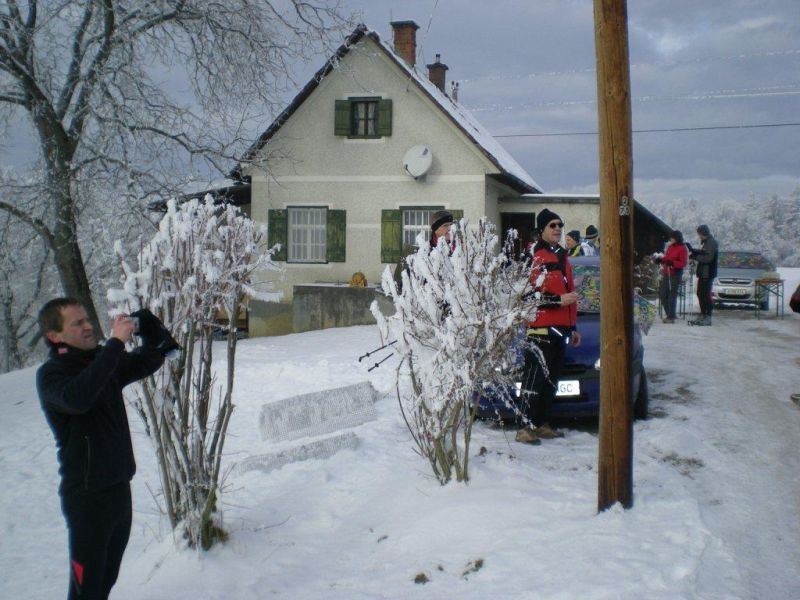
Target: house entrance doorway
(524, 223)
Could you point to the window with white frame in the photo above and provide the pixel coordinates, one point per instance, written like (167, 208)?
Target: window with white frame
(307, 234)
(416, 220)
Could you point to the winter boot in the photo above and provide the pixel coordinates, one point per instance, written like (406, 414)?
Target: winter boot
(527, 436)
(546, 432)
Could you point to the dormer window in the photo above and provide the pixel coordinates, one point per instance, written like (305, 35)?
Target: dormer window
(363, 117)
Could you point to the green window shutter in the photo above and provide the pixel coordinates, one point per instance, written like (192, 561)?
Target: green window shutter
(385, 117)
(277, 231)
(337, 235)
(341, 121)
(391, 236)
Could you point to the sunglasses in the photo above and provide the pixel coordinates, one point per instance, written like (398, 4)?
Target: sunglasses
(554, 225)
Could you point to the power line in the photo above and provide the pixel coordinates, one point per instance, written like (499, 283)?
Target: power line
(636, 65)
(709, 128)
(723, 94)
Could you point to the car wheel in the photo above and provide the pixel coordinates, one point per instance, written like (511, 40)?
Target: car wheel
(642, 403)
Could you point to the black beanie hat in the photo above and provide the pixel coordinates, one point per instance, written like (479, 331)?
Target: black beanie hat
(439, 218)
(575, 235)
(677, 236)
(704, 230)
(544, 217)
(591, 232)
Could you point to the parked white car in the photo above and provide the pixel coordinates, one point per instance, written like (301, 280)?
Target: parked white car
(736, 276)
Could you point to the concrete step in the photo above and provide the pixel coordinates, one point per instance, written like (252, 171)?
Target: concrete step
(317, 413)
(317, 448)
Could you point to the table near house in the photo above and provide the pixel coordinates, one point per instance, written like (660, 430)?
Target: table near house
(766, 288)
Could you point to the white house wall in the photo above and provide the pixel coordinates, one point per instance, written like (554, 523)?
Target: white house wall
(305, 164)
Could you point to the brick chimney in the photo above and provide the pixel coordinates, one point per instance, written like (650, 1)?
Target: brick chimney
(405, 40)
(436, 73)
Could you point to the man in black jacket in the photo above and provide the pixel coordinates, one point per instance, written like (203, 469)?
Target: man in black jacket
(707, 257)
(80, 388)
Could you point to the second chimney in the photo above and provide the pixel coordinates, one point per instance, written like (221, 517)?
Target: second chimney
(405, 40)
(437, 73)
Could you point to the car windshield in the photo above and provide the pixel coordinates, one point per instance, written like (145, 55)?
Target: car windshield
(744, 260)
(587, 284)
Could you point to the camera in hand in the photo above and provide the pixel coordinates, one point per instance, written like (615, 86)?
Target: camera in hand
(153, 333)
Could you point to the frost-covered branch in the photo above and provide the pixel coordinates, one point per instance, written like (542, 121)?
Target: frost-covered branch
(196, 274)
(455, 322)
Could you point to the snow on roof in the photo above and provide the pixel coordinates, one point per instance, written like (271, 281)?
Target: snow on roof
(462, 118)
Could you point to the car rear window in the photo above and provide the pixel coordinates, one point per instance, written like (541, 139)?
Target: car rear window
(744, 260)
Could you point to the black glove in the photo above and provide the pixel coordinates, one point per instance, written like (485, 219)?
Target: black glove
(668, 263)
(657, 260)
(153, 333)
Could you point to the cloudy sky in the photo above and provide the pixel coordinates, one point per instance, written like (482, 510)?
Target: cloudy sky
(527, 68)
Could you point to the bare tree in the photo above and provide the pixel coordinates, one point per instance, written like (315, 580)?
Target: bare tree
(23, 283)
(122, 95)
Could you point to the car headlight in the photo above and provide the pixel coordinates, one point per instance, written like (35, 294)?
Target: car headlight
(597, 364)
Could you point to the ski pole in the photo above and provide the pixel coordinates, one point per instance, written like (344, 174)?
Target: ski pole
(376, 350)
(379, 363)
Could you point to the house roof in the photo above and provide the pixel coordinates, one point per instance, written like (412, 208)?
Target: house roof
(237, 194)
(510, 173)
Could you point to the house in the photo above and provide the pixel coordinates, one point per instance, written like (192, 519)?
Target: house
(348, 174)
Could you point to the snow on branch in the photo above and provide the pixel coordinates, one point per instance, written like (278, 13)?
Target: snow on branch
(457, 315)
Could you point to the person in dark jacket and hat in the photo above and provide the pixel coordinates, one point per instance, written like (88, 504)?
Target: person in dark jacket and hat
(573, 243)
(591, 241)
(707, 257)
(441, 222)
(80, 389)
(555, 324)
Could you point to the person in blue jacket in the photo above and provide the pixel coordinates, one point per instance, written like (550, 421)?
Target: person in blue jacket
(80, 389)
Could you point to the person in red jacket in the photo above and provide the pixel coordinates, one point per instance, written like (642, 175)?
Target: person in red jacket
(555, 326)
(673, 262)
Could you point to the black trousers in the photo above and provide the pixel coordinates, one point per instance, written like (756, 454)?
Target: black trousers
(704, 295)
(99, 525)
(668, 294)
(540, 376)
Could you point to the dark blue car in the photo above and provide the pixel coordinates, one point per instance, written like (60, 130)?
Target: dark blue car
(579, 387)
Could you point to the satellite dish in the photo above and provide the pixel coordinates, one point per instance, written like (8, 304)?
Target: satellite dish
(417, 161)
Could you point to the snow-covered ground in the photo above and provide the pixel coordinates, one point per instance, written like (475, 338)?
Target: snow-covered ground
(716, 472)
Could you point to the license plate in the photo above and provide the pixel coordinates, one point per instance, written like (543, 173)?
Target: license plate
(735, 291)
(569, 387)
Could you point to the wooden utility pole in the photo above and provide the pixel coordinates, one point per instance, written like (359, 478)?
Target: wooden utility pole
(615, 472)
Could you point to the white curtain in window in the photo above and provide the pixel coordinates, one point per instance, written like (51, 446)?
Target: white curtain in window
(414, 222)
(308, 234)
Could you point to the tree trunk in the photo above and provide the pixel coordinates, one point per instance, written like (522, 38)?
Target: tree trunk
(69, 261)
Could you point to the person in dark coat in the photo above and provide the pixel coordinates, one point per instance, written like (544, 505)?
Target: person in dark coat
(673, 262)
(80, 389)
(707, 257)
(573, 243)
(441, 222)
(591, 241)
(554, 325)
